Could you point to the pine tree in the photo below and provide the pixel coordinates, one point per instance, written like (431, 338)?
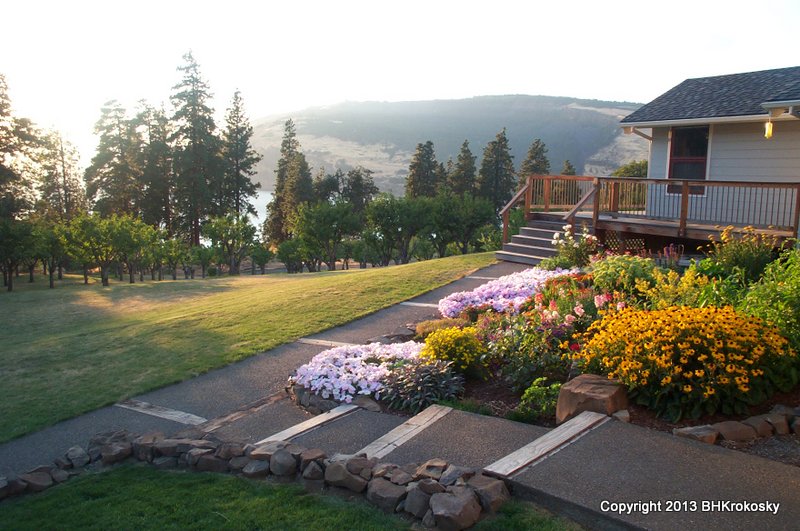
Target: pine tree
(496, 179)
(423, 173)
(18, 139)
(568, 168)
(293, 185)
(198, 175)
(113, 180)
(240, 159)
(157, 173)
(535, 162)
(461, 179)
(61, 194)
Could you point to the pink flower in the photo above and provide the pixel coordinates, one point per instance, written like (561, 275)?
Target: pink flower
(578, 309)
(620, 305)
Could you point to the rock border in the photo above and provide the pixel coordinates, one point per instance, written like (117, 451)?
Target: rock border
(781, 420)
(436, 492)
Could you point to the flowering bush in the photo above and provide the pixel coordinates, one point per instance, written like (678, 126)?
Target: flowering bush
(425, 328)
(458, 345)
(622, 272)
(416, 384)
(506, 294)
(342, 373)
(743, 257)
(672, 289)
(575, 249)
(689, 361)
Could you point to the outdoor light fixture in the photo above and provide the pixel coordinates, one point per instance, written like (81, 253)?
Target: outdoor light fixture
(768, 129)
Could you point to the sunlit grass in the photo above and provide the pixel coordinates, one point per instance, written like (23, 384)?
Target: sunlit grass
(76, 348)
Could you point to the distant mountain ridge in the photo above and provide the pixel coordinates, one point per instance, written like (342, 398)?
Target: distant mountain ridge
(382, 136)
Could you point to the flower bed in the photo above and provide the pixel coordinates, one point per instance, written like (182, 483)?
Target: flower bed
(504, 295)
(341, 373)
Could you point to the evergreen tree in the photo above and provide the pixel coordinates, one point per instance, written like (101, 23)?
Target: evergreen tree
(293, 186)
(496, 180)
(568, 168)
(157, 175)
(299, 187)
(199, 187)
(240, 159)
(113, 179)
(61, 194)
(461, 179)
(536, 162)
(327, 186)
(18, 139)
(423, 173)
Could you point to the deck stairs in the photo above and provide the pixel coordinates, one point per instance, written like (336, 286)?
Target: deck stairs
(534, 242)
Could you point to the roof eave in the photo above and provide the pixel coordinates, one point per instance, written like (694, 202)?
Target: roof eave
(697, 121)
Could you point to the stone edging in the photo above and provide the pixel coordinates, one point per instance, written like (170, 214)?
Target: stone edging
(439, 493)
(781, 420)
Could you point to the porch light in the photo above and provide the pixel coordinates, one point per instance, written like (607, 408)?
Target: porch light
(768, 129)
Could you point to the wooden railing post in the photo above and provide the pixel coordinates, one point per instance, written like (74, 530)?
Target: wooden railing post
(547, 188)
(596, 203)
(684, 208)
(614, 199)
(528, 196)
(505, 226)
(796, 220)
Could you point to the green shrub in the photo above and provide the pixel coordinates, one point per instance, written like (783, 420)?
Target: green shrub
(742, 257)
(416, 384)
(555, 262)
(460, 346)
(776, 297)
(425, 328)
(691, 361)
(212, 271)
(575, 249)
(538, 402)
(622, 272)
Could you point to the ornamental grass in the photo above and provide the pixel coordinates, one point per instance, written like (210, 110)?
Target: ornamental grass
(682, 361)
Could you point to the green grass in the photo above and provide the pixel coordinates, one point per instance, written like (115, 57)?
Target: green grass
(138, 497)
(77, 348)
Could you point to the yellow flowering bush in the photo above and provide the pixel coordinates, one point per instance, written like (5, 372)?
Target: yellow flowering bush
(668, 288)
(689, 361)
(458, 345)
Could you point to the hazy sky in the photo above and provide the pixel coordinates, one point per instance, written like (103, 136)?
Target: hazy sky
(63, 60)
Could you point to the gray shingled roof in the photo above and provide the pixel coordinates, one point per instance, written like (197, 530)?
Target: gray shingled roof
(718, 96)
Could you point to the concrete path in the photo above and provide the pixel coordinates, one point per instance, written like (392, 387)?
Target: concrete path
(605, 475)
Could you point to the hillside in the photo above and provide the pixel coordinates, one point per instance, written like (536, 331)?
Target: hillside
(382, 136)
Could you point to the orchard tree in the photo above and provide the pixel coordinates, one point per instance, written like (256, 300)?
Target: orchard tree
(423, 173)
(204, 256)
(461, 178)
(233, 236)
(325, 226)
(358, 189)
(240, 159)
(93, 237)
(52, 244)
(260, 254)
(16, 239)
(636, 168)
(198, 183)
(496, 180)
(327, 186)
(536, 162)
(174, 252)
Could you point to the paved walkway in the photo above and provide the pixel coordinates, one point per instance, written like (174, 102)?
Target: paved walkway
(604, 474)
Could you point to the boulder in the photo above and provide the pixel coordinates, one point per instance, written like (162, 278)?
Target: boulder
(165, 462)
(264, 451)
(63, 463)
(385, 494)
(430, 486)
(492, 493)
(15, 484)
(787, 411)
(230, 450)
(417, 502)
(336, 474)
(433, 469)
(453, 473)
(116, 452)
(238, 463)
(383, 469)
(400, 477)
(760, 424)
(705, 433)
(37, 481)
(590, 392)
(428, 520)
(779, 423)
(256, 469)
(367, 403)
(3, 487)
(796, 425)
(313, 471)
(194, 455)
(144, 446)
(211, 463)
(78, 457)
(356, 465)
(456, 509)
(732, 430)
(623, 415)
(311, 455)
(58, 475)
(283, 463)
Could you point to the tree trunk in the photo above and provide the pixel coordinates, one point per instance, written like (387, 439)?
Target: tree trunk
(44, 267)
(153, 273)
(131, 274)
(52, 279)
(85, 274)
(160, 274)
(175, 273)
(202, 271)
(10, 284)
(252, 268)
(191, 273)
(60, 271)
(104, 275)
(141, 274)
(30, 272)
(263, 268)
(120, 273)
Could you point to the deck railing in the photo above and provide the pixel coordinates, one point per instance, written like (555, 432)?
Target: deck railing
(680, 202)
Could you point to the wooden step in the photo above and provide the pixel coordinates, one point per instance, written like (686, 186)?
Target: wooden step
(529, 250)
(533, 241)
(518, 258)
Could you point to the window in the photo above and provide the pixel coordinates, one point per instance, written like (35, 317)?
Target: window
(687, 158)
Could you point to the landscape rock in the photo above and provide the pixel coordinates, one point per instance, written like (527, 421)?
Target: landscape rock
(165, 462)
(623, 415)
(760, 424)
(430, 486)
(590, 392)
(456, 509)
(265, 451)
(410, 468)
(256, 469)
(116, 452)
(40, 468)
(37, 481)
(428, 520)
(732, 430)
(211, 463)
(453, 473)
(433, 469)
(313, 471)
(238, 463)
(311, 455)
(383, 469)
(283, 463)
(194, 455)
(789, 412)
(400, 477)
(78, 457)
(385, 494)
(365, 402)
(492, 493)
(336, 474)
(58, 475)
(144, 446)
(417, 502)
(796, 425)
(705, 433)
(779, 423)
(356, 465)
(3, 487)
(63, 463)
(230, 450)
(15, 484)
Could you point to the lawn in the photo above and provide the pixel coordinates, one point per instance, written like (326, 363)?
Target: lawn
(77, 348)
(141, 498)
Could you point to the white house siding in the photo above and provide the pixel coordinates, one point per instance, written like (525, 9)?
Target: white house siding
(737, 152)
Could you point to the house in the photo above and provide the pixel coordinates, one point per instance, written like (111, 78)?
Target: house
(724, 150)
